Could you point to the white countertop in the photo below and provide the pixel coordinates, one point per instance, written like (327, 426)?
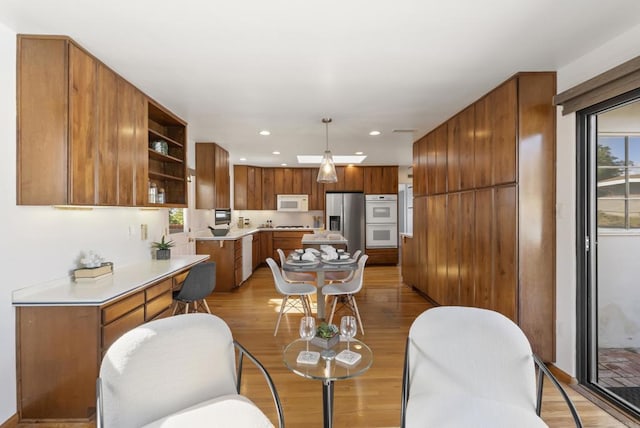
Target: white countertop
(206, 235)
(123, 281)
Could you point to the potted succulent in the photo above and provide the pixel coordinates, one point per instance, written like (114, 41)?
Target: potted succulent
(326, 336)
(163, 249)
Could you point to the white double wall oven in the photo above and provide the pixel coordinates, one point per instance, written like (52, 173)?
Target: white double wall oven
(381, 217)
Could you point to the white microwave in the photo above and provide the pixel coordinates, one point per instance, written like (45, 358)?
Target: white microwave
(293, 203)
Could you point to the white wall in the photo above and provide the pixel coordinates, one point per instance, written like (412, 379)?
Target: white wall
(612, 53)
(43, 243)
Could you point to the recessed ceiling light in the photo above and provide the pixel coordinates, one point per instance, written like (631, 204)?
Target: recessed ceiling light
(283, 164)
(338, 159)
(243, 159)
(374, 133)
(358, 153)
(275, 153)
(265, 132)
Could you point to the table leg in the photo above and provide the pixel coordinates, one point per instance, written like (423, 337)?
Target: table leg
(320, 297)
(327, 403)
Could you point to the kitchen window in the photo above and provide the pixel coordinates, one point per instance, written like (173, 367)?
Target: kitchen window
(176, 220)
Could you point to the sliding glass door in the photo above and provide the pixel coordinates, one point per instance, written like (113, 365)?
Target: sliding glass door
(609, 250)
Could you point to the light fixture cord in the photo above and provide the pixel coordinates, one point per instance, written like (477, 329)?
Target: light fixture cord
(326, 133)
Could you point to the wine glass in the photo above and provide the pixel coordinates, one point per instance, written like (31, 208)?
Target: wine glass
(348, 328)
(307, 329)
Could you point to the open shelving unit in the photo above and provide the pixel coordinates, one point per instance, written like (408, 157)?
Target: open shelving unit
(168, 171)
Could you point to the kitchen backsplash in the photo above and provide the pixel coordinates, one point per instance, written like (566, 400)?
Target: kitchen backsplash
(260, 217)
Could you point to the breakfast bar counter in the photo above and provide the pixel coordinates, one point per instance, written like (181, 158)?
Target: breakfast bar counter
(124, 280)
(315, 240)
(64, 328)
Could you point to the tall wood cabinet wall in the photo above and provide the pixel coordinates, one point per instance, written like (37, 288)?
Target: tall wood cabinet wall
(84, 132)
(484, 223)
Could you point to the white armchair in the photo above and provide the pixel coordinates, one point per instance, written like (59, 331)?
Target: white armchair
(178, 372)
(471, 367)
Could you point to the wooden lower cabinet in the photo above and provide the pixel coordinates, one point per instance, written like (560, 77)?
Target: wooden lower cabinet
(287, 241)
(382, 256)
(60, 349)
(227, 254)
(266, 245)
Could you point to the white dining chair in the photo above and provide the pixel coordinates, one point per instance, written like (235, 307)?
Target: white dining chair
(301, 292)
(345, 292)
(293, 277)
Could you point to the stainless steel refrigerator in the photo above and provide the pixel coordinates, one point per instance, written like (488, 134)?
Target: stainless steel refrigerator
(345, 215)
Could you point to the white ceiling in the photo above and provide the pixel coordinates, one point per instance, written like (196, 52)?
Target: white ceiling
(232, 68)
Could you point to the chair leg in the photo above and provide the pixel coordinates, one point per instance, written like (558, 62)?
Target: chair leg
(309, 310)
(333, 308)
(186, 307)
(206, 306)
(175, 307)
(355, 307)
(303, 303)
(284, 302)
(309, 305)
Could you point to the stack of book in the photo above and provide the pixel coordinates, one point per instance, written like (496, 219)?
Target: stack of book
(94, 273)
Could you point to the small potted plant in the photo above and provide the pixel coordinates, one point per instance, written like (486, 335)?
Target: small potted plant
(326, 336)
(163, 249)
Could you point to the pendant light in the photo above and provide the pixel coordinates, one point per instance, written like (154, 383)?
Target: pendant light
(327, 171)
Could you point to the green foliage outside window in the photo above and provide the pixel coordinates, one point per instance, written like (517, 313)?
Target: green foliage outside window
(176, 220)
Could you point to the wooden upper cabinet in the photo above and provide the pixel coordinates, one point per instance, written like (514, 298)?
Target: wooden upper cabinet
(316, 197)
(283, 181)
(125, 142)
(108, 141)
(483, 147)
(440, 143)
(504, 107)
(240, 187)
(496, 140)
(460, 151)
(380, 179)
(82, 127)
(95, 127)
(140, 144)
(465, 138)
(430, 162)
(247, 187)
(353, 179)
(63, 152)
(42, 92)
(212, 177)
(297, 181)
(268, 189)
(255, 188)
(420, 167)
(223, 181)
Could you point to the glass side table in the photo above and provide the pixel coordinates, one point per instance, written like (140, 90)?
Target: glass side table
(328, 369)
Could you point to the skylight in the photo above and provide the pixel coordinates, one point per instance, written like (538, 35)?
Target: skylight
(338, 159)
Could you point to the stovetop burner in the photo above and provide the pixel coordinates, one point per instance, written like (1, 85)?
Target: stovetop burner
(289, 227)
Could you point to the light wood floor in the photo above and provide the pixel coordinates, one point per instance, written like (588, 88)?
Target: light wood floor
(373, 400)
